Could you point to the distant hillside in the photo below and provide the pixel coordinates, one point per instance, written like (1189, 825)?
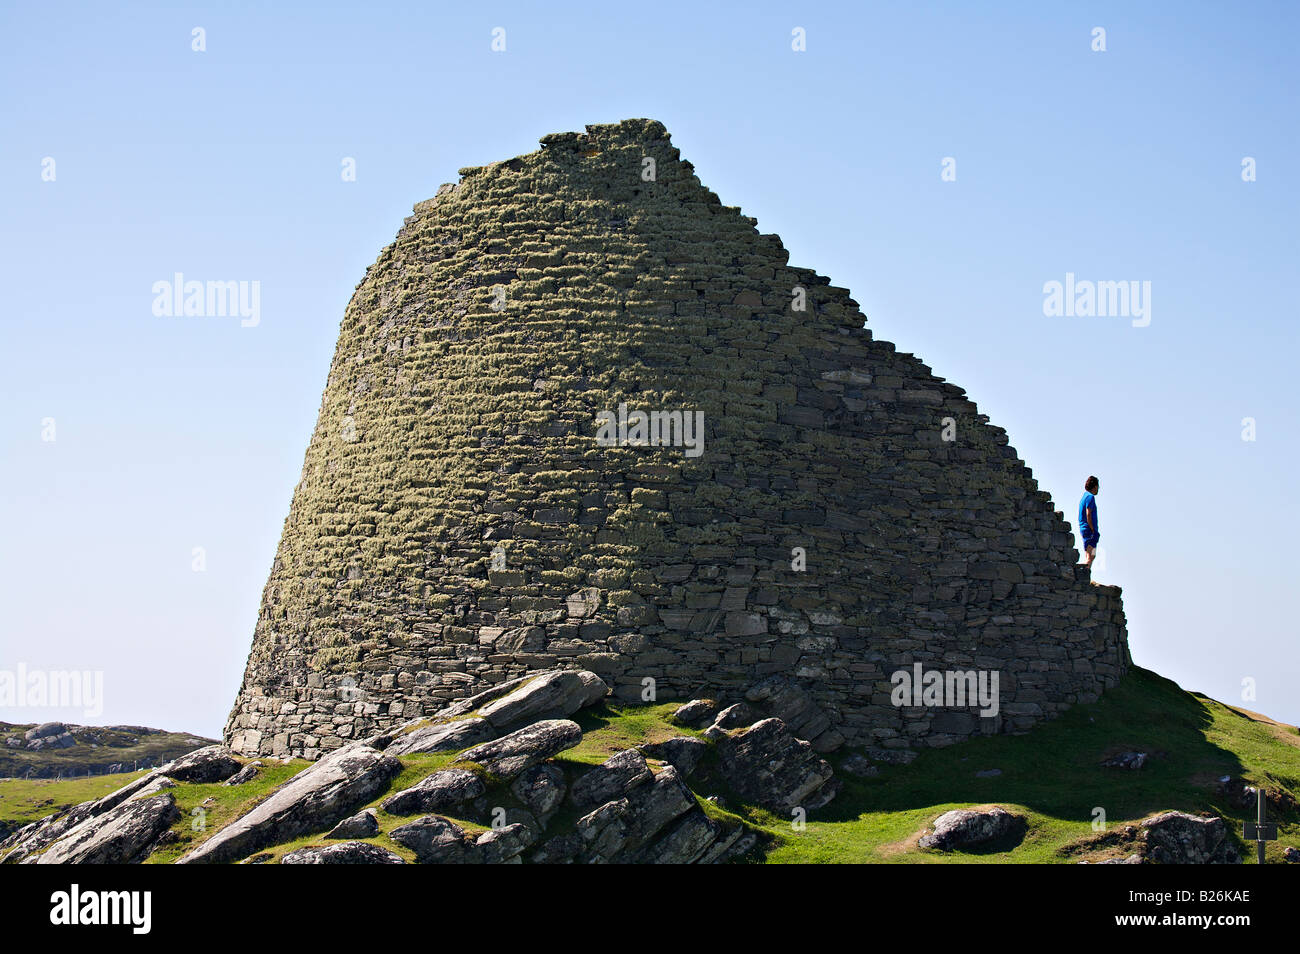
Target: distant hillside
(61, 750)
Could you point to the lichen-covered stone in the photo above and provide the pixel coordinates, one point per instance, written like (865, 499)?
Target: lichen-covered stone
(213, 763)
(612, 779)
(965, 828)
(122, 835)
(682, 752)
(443, 791)
(540, 788)
(317, 798)
(509, 756)
(1182, 839)
(345, 853)
(363, 824)
(436, 841)
(768, 765)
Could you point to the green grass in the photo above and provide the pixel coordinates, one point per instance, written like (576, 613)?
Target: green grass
(205, 809)
(1052, 775)
(27, 800)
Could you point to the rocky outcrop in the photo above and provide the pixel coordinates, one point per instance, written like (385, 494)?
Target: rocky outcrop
(552, 695)
(317, 798)
(972, 829)
(682, 752)
(122, 835)
(541, 789)
(637, 826)
(632, 807)
(1243, 796)
(1165, 838)
(1131, 761)
(443, 737)
(1177, 838)
(363, 824)
(482, 717)
(211, 764)
(347, 853)
(781, 697)
(768, 765)
(611, 780)
(49, 735)
(443, 791)
(510, 755)
(435, 841)
(36, 837)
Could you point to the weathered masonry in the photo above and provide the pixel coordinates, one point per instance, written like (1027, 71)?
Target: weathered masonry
(458, 523)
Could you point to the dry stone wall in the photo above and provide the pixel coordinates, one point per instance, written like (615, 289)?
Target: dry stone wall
(461, 520)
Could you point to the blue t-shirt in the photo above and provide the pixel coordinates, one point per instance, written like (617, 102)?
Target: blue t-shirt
(1088, 529)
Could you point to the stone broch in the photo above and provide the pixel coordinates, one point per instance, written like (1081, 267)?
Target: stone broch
(458, 525)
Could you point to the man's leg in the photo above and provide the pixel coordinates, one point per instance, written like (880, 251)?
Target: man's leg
(1089, 552)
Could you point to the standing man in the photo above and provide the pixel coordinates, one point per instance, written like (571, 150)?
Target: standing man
(1088, 519)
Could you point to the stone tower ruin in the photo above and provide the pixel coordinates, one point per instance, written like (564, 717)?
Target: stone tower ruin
(802, 511)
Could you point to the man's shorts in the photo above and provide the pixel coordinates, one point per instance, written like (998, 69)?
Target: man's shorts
(1091, 543)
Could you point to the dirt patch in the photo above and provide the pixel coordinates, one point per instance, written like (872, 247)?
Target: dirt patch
(908, 844)
(1280, 730)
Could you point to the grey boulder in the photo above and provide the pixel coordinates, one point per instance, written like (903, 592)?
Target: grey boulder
(695, 713)
(612, 779)
(442, 737)
(245, 774)
(316, 798)
(551, 695)
(1126, 760)
(346, 853)
(964, 828)
(363, 824)
(1178, 838)
(509, 756)
(120, 836)
(503, 845)
(213, 763)
(768, 765)
(45, 730)
(444, 790)
(734, 716)
(541, 789)
(435, 841)
(682, 752)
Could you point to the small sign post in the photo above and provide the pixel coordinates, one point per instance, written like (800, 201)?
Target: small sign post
(1261, 831)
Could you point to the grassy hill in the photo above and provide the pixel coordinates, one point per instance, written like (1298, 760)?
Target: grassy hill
(1053, 775)
(94, 750)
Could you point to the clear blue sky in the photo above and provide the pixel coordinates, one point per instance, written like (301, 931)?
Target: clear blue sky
(1118, 165)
